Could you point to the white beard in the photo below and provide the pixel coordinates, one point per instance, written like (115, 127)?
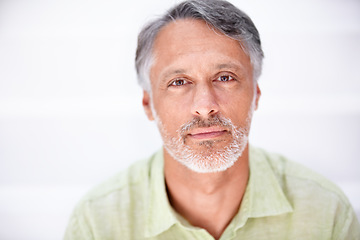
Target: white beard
(209, 159)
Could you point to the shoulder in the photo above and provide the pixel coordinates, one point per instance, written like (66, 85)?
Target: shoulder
(312, 195)
(292, 175)
(118, 191)
(134, 175)
(113, 207)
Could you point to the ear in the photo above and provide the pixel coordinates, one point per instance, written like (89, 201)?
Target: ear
(146, 102)
(258, 94)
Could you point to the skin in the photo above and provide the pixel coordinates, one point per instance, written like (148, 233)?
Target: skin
(200, 72)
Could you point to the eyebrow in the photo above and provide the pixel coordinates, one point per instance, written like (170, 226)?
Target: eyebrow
(229, 66)
(236, 67)
(173, 72)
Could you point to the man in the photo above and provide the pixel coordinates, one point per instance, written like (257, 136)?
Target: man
(198, 66)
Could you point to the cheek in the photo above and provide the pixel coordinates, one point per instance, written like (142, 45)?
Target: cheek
(236, 106)
(172, 108)
(172, 118)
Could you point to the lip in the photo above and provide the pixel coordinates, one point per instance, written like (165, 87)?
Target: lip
(207, 133)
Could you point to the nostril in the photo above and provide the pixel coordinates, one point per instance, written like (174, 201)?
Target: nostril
(212, 111)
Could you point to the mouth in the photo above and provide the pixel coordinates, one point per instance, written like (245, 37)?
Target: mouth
(207, 133)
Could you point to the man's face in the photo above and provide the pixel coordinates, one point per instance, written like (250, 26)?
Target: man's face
(203, 95)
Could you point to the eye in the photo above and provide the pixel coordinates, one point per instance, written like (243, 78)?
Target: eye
(225, 78)
(178, 82)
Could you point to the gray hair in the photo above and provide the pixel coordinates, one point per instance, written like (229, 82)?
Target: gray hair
(219, 14)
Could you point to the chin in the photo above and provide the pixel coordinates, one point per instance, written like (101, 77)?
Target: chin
(206, 158)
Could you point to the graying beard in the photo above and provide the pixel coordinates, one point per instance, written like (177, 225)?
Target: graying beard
(207, 161)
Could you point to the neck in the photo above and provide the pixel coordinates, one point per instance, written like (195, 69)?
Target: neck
(207, 200)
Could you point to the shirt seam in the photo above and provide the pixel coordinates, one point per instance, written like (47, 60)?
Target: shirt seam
(338, 194)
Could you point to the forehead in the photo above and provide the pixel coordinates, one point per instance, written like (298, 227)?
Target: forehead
(189, 43)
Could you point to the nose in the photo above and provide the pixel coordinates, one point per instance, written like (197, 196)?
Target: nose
(204, 102)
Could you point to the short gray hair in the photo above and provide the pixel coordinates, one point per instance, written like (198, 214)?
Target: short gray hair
(219, 14)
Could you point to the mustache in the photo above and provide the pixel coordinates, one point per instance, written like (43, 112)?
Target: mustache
(198, 122)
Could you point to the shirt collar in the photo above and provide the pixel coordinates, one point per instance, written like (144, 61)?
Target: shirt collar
(263, 195)
(160, 215)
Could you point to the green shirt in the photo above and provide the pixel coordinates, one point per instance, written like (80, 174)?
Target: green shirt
(283, 200)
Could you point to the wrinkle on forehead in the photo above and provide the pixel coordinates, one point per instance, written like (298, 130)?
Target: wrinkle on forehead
(183, 44)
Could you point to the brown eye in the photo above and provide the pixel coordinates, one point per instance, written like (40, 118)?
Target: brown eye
(225, 78)
(178, 82)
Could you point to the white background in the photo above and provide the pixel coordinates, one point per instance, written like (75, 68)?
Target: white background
(71, 114)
